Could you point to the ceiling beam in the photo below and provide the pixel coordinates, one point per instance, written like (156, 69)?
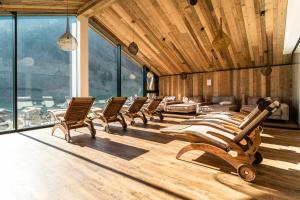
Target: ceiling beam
(36, 8)
(92, 7)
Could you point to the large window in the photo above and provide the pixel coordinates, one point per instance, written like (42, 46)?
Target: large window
(6, 73)
(102, 68)
(132, 77)
(44, 70)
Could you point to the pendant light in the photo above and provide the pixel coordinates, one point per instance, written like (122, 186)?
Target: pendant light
(67, 42)
(222, 40)
(133, 47)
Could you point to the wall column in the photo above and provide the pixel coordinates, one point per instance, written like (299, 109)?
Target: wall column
(83, 56)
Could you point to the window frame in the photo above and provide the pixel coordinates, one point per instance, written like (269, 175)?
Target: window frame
(14, 16)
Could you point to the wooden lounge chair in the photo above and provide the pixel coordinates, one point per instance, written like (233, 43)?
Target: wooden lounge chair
(151, 110)
(134, 111)
(76, 117)
(111, 113)
(236, 146)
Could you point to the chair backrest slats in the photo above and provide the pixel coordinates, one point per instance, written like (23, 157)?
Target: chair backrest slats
(137, 104)
(154, 104)
(257, 121)
(262, 104)
(114, 106)
(78, 109)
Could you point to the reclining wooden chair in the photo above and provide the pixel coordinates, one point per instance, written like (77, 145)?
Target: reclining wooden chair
(134, 111)
(111, 113)
(76, 117)
(235, 146)
(151, 109)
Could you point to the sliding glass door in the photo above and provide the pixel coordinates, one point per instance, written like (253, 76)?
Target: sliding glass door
(6, 72)
(44, 70)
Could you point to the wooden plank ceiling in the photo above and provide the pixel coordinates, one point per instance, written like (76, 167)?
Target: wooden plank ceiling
(42, 5)
(175, 37)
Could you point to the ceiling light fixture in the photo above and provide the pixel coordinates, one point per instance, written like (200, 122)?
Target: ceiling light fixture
(133, 48)
(222, 40)
(67, 42)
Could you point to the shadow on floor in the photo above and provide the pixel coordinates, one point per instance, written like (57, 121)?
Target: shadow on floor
(283, 180)
(148, 135)
(280, 154)
(284, 139)
(126, 175)
(105, 145)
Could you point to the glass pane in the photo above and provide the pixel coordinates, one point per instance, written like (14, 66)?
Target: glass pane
(6, 73)
(44, 70)
(102, 69)
(132, 77)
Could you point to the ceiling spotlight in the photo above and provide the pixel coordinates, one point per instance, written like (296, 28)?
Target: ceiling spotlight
(262, 13)
(202, 29)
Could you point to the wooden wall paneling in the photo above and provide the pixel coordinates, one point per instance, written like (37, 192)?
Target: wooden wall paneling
(239, 83)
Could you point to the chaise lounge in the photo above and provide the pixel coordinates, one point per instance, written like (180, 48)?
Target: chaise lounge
(111, 113)
(134, 110)
(152, 109)
(236, 146)
(76, 117)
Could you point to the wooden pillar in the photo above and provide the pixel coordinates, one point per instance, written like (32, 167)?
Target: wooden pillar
(83, 57)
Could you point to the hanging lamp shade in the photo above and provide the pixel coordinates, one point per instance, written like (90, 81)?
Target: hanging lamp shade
(222, 40)
(133, 48)
(266, 71)
(67, 42)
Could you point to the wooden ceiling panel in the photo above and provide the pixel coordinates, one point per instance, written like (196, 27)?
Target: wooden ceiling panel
(174, 37)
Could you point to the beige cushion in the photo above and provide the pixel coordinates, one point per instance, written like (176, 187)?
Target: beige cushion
(169, 98)
(218, 99)
(225, 103)
(196, 99)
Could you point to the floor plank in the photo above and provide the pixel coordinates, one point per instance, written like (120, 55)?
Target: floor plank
(139, 164)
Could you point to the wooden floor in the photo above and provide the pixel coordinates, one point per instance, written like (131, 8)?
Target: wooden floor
(139, 164)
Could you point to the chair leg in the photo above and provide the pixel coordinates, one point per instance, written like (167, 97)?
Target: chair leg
(123, 122)
(143, 117)
(61, 127)
(161, 117)
(106, 128)
(91, 127)
(241, 162)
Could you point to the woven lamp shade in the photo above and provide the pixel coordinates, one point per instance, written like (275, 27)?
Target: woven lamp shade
(133, 48)
(67, 42)
(222, 40)
(266, 71)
